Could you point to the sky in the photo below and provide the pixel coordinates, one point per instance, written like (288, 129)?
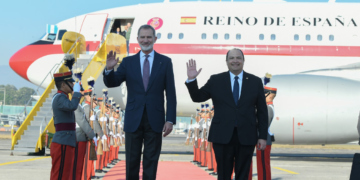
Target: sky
(24, 21)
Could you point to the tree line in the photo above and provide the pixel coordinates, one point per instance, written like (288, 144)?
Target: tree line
(15, 96)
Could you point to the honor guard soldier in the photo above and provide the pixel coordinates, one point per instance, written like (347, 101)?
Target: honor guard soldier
(203, 145)
(195, 135)
(213, 159)
(84, 133)
(89, 110)
(210, 157)
(101, 137)
(263, 157)
(63, 144)
(107, 151)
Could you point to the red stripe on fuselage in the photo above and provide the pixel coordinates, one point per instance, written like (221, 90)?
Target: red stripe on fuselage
(270, 50)
(22, 59)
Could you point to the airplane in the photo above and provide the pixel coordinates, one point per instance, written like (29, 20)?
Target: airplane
(311, 49)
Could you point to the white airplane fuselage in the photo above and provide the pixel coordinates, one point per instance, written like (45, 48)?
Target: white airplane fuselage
(311, 49)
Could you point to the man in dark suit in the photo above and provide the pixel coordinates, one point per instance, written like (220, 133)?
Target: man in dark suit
(147, 74)
(239, 100)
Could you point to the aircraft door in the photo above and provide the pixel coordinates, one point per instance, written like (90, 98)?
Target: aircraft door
(93, 28)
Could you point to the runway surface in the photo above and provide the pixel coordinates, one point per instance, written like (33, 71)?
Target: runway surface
(287, 162)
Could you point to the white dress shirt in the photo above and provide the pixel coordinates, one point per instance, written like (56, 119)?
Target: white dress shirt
(150, 59)
(142, 59)
(232, 79)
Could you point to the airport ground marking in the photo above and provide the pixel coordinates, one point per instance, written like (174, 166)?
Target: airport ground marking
(27, 160)
(291, 172)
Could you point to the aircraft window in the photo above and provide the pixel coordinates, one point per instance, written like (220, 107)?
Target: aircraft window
(331, 37)
(181, 35)
(296, 37)
(51, 37)
(227, 36)
(169, 35)
(158, 35)
(238, 36)
(261, 36)
(319, 37)
(215, 36)
(203, 36)
(273, 37)
(61, 33)
(308, 37)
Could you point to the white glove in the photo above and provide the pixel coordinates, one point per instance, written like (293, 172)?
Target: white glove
(111, 118)
(209, 123)
(103, 137)
(204, 126)
(76, 87)
(102, 119)
(111, 133)
(92, 118)
(114, 123)
(95, 140)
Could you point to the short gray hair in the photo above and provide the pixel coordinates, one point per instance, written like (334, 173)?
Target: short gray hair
(146, 26)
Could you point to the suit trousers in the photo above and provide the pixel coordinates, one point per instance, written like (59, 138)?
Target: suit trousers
(152, 147)
(227, 154)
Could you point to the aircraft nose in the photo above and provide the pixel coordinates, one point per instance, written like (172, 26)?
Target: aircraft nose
(21, 61)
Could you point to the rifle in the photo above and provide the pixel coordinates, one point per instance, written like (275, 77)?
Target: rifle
(189, 133)
(91, 111)
(209, 146)
(197, 131)
(202, 145)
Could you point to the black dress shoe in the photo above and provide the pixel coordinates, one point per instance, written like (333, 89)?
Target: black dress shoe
(98, 170)
(104, 171)
(95, 177)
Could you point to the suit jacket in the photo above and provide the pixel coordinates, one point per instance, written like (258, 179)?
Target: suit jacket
(161, 79)
(123, 33)
(227, 113)
(63, 111)
(96, 124)
(83, 128)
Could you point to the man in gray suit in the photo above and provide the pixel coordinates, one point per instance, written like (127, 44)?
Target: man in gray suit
(84, 133)
(63, 145)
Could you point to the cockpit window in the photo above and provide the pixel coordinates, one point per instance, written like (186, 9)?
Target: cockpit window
(51, 37)
(61, 34)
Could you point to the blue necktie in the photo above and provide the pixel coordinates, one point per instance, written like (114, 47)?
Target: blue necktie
(236, 90)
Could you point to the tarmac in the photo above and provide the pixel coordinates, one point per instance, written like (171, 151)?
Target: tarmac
(293, 162)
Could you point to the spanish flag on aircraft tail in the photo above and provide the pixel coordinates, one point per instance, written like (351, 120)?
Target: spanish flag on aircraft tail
(188, 20)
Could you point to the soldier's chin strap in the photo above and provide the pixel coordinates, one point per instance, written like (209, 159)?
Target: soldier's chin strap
(67, 83)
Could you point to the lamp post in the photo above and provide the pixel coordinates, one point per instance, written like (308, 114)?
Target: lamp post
(3, 89)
